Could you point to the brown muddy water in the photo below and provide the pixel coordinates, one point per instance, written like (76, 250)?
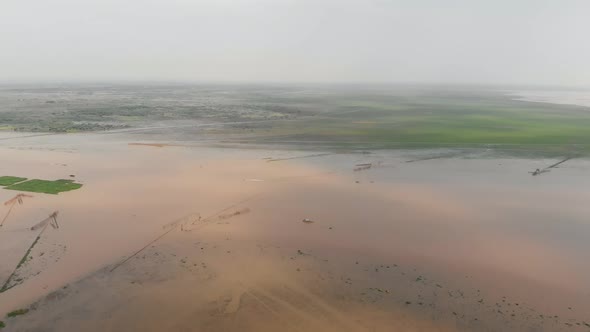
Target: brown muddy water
(437, 244)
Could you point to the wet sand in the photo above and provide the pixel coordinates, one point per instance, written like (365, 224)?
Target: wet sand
(456, 243)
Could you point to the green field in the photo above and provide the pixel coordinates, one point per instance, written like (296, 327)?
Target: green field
(320, 116)
(455, 121)
(45, 186)
(10, 180)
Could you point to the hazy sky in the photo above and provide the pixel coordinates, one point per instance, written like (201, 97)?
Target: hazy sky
(456, 41)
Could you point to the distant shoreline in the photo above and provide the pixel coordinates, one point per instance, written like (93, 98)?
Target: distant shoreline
(578, 98)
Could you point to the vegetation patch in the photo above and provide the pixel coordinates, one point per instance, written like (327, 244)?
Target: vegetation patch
(321, 117)
(10, 180)
(17, 313)
(2, 325)
(45, 186)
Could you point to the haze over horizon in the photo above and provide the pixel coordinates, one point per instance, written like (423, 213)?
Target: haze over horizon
(424, 41)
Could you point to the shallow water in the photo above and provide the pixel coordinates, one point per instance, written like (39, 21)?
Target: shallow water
(473, 243)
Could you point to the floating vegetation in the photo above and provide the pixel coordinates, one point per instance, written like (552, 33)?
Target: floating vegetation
(17, 313)
(10, 180)
(46, 186)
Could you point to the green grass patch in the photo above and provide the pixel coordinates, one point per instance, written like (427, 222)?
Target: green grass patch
(2, 325)
(451, 121)
(17, 313)
(45, 186)
(10, 180)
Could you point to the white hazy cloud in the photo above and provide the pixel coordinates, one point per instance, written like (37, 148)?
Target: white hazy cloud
(455, 41)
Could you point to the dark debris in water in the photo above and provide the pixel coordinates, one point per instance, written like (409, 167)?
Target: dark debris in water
(482, 310)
